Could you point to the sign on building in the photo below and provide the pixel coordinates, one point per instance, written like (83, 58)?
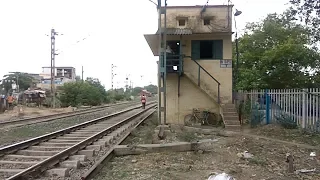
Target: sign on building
(13, 86)
(226, 63)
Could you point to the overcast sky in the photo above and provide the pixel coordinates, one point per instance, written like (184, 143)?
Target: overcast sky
(113, 30)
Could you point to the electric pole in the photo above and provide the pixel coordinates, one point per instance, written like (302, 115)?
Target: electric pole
(127, 81)
(53, 54)
(162, 63)
(112, 75)
(82, 73)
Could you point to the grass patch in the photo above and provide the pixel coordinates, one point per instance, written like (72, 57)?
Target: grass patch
(187, 136)
(258, 161)
(292, 135)
(144, 133)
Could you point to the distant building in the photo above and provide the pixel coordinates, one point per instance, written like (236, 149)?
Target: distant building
(62, 75)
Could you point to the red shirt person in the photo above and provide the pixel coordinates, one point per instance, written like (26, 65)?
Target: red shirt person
(143, 100)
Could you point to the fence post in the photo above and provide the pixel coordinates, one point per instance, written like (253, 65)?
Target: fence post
(266, 95)
(303, 123)
(199, 76)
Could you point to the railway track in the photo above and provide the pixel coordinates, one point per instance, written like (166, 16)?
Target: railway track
(52, 117)
(58, 152)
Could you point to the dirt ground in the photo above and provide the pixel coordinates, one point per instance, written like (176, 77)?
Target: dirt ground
(31, 112)
(268, 161)
(291, 135)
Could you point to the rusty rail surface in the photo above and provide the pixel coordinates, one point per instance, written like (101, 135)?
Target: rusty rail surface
(96, 167)
(56, 116)
(55, 159)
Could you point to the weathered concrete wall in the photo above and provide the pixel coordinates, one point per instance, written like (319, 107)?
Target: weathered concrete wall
(220, 18)
(191, 96)
(223, 75)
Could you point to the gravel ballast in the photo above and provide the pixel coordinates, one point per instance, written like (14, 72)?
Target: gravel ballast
(16, 134)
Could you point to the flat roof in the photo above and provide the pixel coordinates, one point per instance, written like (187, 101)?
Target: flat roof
(62, 67)
(199, 6)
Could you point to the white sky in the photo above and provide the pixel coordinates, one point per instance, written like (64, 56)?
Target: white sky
(114, 30)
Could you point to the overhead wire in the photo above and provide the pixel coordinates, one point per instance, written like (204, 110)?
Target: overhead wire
(78, 41)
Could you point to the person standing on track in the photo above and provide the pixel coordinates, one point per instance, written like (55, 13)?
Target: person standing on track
(10, 100)
(143, 101)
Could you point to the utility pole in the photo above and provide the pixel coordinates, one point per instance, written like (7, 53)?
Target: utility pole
(142, 84)
(17, 85)
(236, 77)
(127, 81)
(53, 53)
(82, 73)
(131, 86)
(162, 74)
(112, 75)
(53, 68)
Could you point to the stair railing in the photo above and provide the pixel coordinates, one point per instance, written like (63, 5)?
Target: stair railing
(199, 68)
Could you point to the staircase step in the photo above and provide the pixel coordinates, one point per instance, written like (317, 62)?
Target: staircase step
(231, 122)
(229, 106)
(233, 127)
(230, 114)
(229, 109)
(232, 118)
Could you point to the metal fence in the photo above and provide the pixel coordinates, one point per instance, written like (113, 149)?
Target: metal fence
(298, 106)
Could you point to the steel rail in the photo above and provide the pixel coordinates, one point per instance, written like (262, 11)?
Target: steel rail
(56, 116)
(55, 159)
(30, 142)
(90, 173)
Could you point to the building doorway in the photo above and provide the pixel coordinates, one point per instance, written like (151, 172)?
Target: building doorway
(173, 56)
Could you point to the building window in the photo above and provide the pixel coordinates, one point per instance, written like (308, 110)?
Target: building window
(182, 22)
(206, 21)
(207, 49)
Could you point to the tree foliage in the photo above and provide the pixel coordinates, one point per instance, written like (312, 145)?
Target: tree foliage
(308, 11)
(275, 53)
(22, 79)
(152, 88)
(97, 84)
(90, 92)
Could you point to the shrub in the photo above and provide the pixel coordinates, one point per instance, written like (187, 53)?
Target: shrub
(257, 116)
(82, 93)
(286, 121)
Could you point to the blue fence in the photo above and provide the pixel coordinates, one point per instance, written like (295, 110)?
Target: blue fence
(298, 106)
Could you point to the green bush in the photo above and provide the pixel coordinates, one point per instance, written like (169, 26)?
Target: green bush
(286, 121)
(82, 93)
(119, 97)
(257, 116)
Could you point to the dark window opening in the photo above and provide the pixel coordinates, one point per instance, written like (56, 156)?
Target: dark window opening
(174, 47)
(182, 22)
(206, 49)
(206, 21)
(173, 57)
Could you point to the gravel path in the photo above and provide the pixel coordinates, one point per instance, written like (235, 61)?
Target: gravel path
(16, 134)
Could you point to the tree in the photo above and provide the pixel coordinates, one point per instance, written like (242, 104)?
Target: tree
(22, 79)
(95, 82)
(152, 88)
(80, 93)
(274, 53)
(308, 11)
(78, 78)
(136, 91)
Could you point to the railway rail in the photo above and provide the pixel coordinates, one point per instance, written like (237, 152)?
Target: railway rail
(52, 117)
(58, 152)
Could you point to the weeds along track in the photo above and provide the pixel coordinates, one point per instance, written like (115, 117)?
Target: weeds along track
(56, 116)
(61, 154)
